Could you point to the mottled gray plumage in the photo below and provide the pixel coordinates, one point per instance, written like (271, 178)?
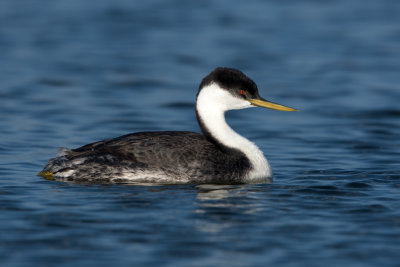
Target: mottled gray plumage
(185, 157)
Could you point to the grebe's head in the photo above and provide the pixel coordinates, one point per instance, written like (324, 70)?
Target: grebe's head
(228, 89)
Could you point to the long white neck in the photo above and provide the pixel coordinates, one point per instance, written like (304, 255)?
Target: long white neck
(212, 103)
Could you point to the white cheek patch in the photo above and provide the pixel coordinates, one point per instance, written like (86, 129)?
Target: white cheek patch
(214, 96)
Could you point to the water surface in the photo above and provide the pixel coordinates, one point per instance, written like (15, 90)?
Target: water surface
(74, 72)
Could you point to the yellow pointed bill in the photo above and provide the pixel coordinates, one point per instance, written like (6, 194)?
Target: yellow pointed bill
(266, 104)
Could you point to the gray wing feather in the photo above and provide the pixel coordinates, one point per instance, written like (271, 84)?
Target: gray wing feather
(176, 154)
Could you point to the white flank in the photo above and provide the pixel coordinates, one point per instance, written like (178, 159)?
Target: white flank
(65, 174)
(212, 103)
(150, 177)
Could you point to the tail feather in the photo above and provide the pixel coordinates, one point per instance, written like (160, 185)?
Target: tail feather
(63, 151)
(46, 175)
(56, 164)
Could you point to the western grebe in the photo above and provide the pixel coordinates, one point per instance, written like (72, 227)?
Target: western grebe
(218, 155)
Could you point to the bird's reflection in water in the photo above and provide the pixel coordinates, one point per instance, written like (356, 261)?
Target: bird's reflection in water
(217, 192)
(223, 206)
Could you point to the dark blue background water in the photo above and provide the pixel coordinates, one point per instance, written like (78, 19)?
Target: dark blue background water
(74, 72)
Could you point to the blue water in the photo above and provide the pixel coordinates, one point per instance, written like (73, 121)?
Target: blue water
(74, 72)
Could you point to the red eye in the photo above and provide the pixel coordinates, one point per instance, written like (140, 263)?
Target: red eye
(242, 92)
